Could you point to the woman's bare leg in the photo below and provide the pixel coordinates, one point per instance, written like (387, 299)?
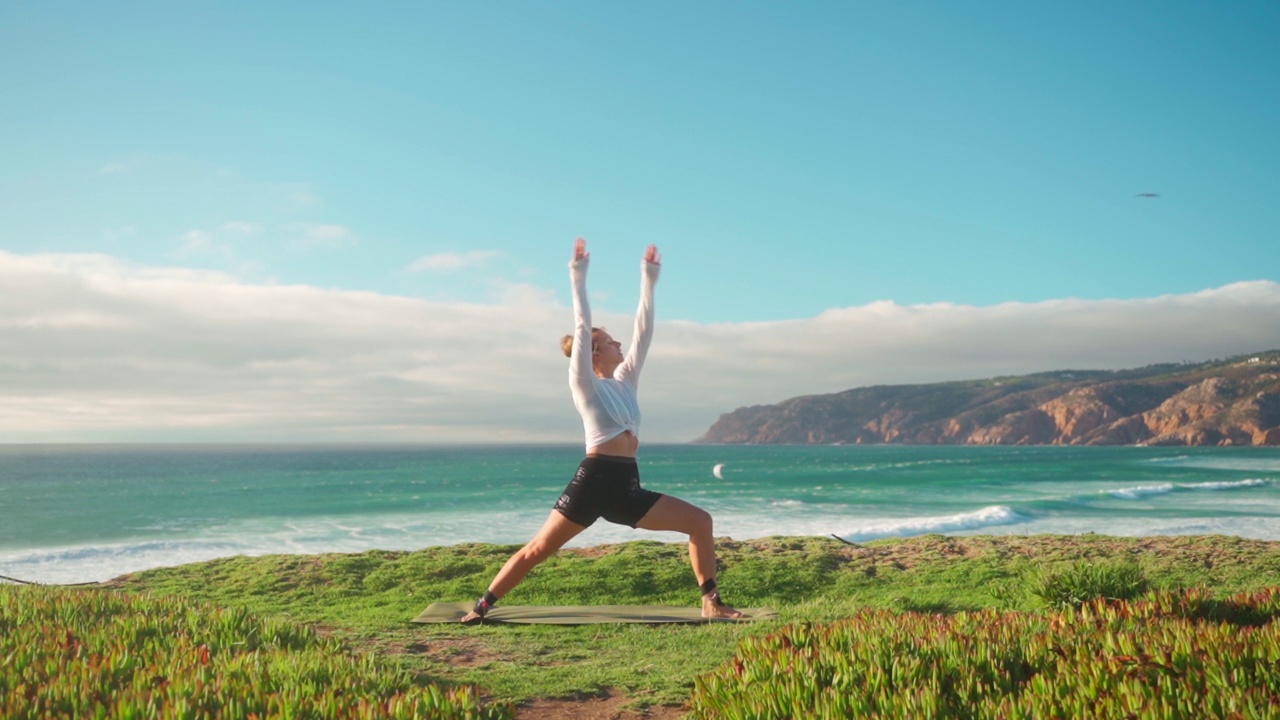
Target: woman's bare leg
(671, 513)
(555, 532)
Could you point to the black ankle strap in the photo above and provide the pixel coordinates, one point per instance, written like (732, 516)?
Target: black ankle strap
(708, 589)
(486, 602)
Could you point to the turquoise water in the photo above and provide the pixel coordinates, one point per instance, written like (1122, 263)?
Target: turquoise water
(79, 513)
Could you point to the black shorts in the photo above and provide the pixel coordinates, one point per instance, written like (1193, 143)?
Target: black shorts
(606, 487)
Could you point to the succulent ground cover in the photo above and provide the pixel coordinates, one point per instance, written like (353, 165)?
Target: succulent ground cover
(91, 653)
(1175, 655)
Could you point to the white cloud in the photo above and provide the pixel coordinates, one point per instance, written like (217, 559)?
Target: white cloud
(320, 235)
(220, 245)
(734, 365)
(448, 261)
(95, 349)
(198, 242)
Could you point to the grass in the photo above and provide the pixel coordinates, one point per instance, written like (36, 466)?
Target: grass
(1082, 581)
(367, 599)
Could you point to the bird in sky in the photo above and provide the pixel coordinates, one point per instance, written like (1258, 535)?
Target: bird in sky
(1147, 195)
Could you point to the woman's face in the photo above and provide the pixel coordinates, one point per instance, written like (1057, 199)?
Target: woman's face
(606, 350)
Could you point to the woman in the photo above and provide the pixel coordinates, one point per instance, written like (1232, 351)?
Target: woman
(607, 483)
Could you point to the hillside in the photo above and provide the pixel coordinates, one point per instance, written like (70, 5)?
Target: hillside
(1228, 402)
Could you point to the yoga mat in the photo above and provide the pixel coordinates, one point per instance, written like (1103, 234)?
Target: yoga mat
(583, 614)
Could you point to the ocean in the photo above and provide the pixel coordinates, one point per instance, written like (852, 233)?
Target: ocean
(80, 513)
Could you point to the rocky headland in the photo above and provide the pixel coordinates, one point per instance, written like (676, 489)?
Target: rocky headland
(1228, 402)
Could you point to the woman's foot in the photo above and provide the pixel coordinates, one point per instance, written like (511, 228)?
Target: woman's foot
(483, 605)
(713, 607)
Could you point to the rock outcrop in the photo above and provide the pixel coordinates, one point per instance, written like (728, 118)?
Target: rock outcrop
(1235, 402)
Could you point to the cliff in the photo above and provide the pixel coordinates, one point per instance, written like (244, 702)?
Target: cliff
(1231, 402)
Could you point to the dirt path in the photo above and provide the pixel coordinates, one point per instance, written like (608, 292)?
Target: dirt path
(595, 708)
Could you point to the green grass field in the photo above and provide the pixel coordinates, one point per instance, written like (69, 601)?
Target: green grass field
(365, 601)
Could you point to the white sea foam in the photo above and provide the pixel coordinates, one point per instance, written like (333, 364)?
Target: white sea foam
(1141, 491)
(1258, 528)
(990, 516)
(268, 536)
(1227, 485)
(1174, 460)
(75, 564)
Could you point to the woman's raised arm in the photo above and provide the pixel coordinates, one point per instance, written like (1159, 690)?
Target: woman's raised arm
(629, 370)
(581, 372)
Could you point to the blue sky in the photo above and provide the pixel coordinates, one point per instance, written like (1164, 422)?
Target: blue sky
(789, 160)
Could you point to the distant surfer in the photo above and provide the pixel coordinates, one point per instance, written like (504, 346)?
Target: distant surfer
(607, 483)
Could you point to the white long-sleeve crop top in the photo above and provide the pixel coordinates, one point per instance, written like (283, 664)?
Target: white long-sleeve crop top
(608, 406)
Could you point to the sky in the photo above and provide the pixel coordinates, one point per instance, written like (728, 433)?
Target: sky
(323, 222)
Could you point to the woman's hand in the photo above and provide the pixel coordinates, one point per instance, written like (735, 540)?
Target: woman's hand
(579, 249)
(652, 256)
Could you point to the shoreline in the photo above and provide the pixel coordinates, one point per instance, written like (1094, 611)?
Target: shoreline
(1142, 542)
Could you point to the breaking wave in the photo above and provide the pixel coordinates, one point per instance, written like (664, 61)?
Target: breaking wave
(1141, 491)
(991, 516)
(1232, 485)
